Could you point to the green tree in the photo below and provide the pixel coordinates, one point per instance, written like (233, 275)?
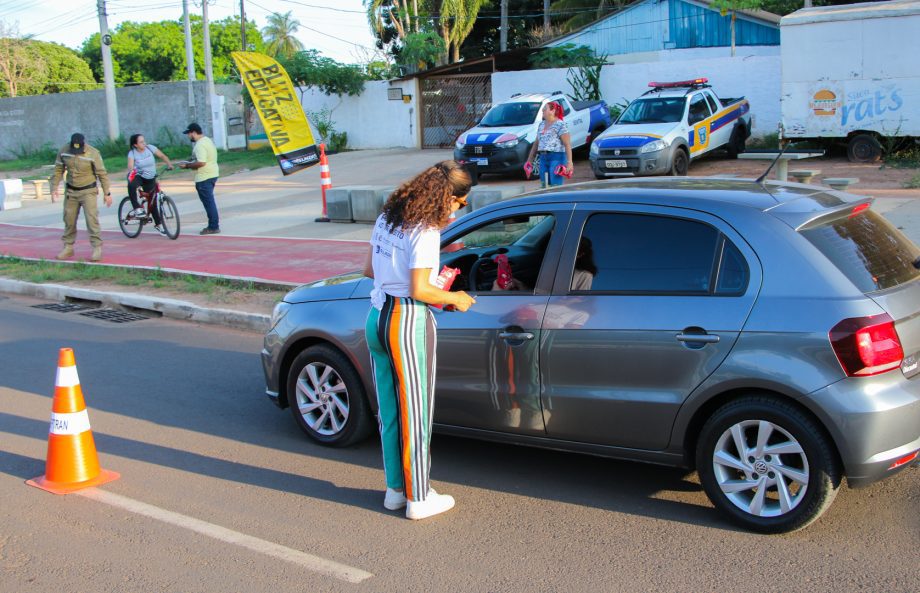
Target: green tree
(578, 13)
(279, 35)
(65, 70)
(308, 68)
(422, 50)
(21, 67)
(155, 52)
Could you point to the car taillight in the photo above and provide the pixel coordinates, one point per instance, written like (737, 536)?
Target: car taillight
(867, 345)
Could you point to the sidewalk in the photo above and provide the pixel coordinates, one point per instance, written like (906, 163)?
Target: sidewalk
(267, 221)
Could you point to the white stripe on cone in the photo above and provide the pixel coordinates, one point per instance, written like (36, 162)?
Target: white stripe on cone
(69, 424)
(66, 377)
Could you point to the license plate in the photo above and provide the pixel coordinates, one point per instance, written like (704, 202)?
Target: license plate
(615, 164)
(481, 161)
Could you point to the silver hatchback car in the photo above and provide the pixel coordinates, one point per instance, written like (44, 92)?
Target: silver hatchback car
(766, 334)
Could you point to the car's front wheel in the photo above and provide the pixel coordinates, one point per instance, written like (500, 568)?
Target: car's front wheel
(767, 465)
(327, 398)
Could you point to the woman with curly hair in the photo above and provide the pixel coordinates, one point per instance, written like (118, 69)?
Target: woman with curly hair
(403, 260)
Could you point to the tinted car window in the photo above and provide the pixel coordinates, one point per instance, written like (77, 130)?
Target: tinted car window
(699, 110)
(653, 111)
(712, 102)
(733, 271)
(639, 253)
(867, 249)
(511, 114)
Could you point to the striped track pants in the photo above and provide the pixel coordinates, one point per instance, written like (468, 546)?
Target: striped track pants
(402, 338)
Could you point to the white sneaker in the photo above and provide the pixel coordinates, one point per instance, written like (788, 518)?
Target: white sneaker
(139, 212)
(394, 500)
(433, 505)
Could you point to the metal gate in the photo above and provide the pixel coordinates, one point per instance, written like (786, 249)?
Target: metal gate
(452, 104)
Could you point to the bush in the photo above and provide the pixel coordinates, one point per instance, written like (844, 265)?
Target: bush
(338, 141)
(46, 152)
(913, 183)
(766, 141)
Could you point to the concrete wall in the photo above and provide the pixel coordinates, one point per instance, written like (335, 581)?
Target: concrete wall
(371, 119)
(754, 75)
(150, 109)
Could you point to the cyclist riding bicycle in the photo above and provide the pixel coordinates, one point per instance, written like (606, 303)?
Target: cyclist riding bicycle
(142, 167)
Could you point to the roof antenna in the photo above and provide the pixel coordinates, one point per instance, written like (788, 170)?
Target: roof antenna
(765, 173)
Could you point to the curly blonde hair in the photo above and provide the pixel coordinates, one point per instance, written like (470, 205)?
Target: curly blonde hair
(426, 198)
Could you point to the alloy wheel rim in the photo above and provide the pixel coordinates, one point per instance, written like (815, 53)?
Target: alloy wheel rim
(761, 468)
(322, 399)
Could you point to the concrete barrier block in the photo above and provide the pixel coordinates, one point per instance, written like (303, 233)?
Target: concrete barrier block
(481, 196)
(367, 202)
(338, 204)
(10, 194)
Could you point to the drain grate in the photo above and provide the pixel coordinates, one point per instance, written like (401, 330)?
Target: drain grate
(62, 307)
(114, 315)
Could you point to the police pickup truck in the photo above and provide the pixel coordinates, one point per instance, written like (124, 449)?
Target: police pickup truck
(501, 141)
(667, 127)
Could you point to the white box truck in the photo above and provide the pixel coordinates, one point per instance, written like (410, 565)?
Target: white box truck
(850, 73)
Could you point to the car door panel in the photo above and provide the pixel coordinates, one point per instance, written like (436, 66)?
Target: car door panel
(488, 357)
(617, 367)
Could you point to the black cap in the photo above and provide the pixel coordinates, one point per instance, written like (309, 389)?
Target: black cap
(193, 127)
(78, 143)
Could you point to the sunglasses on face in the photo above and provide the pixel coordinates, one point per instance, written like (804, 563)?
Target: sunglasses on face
(461, 201)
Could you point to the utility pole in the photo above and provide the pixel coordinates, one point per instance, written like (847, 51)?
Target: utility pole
(208, 72)
(189, 61)
(242, 26)
(504, 27)
(111, 102)
(545, 20)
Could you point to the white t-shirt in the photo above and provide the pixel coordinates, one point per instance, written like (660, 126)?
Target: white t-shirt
(396, 253)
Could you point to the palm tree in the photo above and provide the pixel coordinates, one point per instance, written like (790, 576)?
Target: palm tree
(279, 35)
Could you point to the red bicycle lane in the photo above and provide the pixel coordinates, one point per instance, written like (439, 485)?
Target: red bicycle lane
(272, 259)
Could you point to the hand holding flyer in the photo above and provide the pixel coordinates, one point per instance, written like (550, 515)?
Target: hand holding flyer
(445, 279)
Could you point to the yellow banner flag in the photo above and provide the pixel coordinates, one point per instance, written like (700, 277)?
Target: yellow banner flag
(276, 100)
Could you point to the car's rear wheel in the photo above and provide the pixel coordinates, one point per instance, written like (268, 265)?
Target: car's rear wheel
(736, 143)
(766, 465)
(327, 398)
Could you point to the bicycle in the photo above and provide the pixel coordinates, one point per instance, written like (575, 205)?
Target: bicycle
(132, 225)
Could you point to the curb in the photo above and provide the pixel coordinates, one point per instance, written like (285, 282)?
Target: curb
(171, 308)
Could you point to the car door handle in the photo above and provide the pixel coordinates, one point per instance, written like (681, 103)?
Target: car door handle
(699, 338)
(515, 335)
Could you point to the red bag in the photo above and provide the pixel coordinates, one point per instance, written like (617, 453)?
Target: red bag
(445, 279)
(504, 272)
(132, 174)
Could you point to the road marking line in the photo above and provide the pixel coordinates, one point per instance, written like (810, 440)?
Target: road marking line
(308, 561)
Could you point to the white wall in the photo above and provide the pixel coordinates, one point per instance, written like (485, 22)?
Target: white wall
(757, 77)
(370, 119)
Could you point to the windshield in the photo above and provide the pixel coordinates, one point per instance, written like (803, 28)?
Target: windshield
(511, 114)
(654, 111)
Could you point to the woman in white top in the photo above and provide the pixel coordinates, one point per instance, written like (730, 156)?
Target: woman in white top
(404, 260)
(142, 159)
(554, 145)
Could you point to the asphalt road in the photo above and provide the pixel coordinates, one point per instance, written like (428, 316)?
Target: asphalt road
(219, 491)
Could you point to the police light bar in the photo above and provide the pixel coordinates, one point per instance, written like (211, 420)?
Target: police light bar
(671, 85)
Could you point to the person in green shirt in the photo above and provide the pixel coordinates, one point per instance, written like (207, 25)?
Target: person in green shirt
(204, 162)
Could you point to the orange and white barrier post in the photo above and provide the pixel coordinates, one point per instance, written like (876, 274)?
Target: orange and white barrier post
(325, 180)
(72, 463)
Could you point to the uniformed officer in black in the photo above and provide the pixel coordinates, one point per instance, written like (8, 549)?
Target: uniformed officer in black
(85, 171)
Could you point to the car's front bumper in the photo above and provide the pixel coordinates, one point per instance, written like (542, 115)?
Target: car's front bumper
(493, 159)
(652, 163)
(875, 421)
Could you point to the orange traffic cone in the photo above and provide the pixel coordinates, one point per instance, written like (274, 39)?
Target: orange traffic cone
(325, 180)
(72, 461)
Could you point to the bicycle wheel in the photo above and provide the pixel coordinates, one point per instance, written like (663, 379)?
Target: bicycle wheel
(130, 225)
(169, 216)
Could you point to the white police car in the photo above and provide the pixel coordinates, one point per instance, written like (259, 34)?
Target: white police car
(667, 127)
